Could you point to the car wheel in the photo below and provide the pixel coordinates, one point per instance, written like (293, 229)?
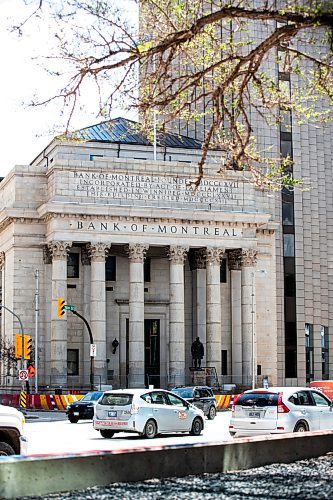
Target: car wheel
(150, 430)
(73, 420)
(106, 433)
(300, 427)
(212, 413)
(196, 427)
(6, 449)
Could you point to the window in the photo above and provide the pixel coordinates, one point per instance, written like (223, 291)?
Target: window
(72, 361)
(287, 214)
(320, 400)
(324, 352)
(110, 268)
(158, 398)
(304, 398)
(309, 359)
(289, 245)
(146, 269)
(73, 265)
(223, 271)
(174, 400)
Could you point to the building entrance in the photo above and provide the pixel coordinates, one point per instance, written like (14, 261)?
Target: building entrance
(152, 352)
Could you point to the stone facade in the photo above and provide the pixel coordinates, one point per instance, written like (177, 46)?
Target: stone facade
(75, 210)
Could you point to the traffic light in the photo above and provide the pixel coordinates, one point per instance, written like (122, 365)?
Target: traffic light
(61, 307)
(18, 345)
(27, 347)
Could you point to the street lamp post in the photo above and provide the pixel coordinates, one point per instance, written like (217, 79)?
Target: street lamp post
(22, 332)
(36, 327)
(253, 337)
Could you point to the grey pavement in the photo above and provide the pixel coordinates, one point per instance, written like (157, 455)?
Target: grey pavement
(305, 480)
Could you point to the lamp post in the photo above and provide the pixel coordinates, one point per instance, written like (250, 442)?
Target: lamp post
(36, 327)
(253, 336)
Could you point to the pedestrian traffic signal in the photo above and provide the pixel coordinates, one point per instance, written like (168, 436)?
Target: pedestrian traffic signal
(61, 308)
(27, 347)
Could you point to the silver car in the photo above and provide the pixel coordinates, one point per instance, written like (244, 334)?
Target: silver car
(280, 409)
(147, 412)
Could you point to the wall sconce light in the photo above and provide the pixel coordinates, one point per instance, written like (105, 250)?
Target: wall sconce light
(115, 344)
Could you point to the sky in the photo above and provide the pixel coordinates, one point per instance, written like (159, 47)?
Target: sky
(24, 130)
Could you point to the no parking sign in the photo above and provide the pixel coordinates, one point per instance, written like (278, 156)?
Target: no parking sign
(93, 350)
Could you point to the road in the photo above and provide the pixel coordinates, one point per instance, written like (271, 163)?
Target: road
(47, 435)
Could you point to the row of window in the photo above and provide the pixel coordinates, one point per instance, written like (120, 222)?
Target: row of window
(73, 268)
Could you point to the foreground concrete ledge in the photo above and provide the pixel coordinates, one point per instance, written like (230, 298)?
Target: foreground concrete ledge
(40, 475)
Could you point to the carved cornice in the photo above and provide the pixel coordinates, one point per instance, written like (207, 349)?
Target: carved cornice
(59, 249)
(2, 261)
(177, 254)
(214, 256)
(98, 251)
(249, 257)
(235, 259)
(137, 252)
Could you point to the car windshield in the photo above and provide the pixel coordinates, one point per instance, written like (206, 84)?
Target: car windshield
(259, 399)
(114, 399)
(184, 392)
(92, 396)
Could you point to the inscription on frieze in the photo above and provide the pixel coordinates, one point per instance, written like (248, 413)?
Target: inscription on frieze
(155, 188)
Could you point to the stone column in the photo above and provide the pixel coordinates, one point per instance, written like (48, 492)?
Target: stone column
(249, 349)
(177, 256)
(136, 346)
(98, 253)
(198, 267)
(86, 301)
(235, 260)
(213, 308)
(59, 251)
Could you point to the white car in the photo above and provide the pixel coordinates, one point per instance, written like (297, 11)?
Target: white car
(280, 409)
(147, 412)
(12, 439)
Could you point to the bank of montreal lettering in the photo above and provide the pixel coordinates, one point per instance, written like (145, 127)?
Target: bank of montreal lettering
(155, 188)
(163, 229)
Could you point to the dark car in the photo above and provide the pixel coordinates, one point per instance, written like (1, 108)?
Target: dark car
(201, 396)
(83, 409)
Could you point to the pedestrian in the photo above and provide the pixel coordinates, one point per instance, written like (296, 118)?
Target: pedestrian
(197, 351)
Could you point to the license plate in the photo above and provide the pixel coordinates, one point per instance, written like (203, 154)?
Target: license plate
(112, 413)
(76, 413)
(254, 414)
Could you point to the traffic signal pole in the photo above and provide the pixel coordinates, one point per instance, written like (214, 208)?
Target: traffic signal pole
(91, 342)
(22, 334)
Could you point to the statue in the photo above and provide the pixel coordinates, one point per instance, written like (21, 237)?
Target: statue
(197, 351)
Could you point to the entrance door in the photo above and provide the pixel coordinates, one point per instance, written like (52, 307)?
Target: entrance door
(152, 352)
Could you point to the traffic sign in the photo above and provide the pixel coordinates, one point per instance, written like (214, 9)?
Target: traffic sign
(93, 350)
(68, 307)
(23, 374)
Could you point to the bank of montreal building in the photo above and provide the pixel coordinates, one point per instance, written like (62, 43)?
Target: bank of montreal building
(153, 264)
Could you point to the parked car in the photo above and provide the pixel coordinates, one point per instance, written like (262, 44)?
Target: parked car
(84, 408)
(12, 439)
(280, 409)
(146, 412)
(201, 396)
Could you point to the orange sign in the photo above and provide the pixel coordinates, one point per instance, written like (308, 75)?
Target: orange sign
(31, 371)
(325, 386)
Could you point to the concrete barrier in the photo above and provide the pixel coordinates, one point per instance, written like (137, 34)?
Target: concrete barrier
(37, 476)
(41, 401)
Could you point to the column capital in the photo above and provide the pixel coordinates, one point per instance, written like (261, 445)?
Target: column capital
(59, 249)
(2, 261)
(214, 256)
(197, 259)
(177, 254)
(137, 252)
(249, 257)
(98, 251)
(235, 259)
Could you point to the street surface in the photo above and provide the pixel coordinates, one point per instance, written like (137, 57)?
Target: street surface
(53, 433)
